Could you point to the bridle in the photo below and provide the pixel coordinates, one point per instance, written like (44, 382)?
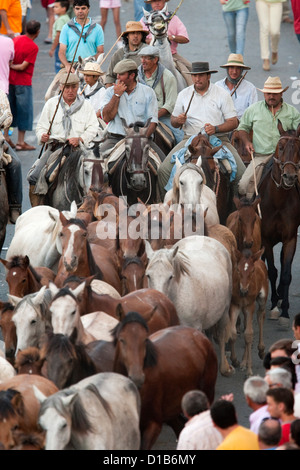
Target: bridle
(281, 184)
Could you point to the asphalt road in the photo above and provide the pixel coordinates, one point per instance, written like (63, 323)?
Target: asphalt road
(208, 42)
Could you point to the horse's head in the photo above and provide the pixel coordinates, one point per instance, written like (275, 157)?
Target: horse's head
(188, 183)
(157, 22)
(286, 171)
(137, 145)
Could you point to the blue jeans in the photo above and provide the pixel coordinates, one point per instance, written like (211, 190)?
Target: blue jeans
(236, 22)
(57, 62)
(298, 37)
(138, 9)
(21, 105)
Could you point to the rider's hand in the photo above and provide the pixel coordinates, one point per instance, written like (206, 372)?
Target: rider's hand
(181, 118)
(209, 129)
(119, 87)
(45, 138)
(74, 141)
(249, 147)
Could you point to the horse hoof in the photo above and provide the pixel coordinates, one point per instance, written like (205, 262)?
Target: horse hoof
(274, 314)
(284, 322)
(235, 363)
(228, 372)
(261, 354)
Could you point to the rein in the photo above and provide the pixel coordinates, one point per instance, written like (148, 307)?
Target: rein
(123, 174)
(281, 166)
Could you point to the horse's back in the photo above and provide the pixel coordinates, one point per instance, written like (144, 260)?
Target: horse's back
(99, 324)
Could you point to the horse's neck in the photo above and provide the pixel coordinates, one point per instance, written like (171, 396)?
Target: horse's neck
(84, 336)
(33, 284)
(107, 303)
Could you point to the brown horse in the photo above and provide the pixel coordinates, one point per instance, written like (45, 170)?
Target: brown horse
(245, 224)
(239, 145)
(133, 275)
(8, 330)
(82, 259)
(164, 365)
(29, 361)
(280, 208)
(216, 177)
(19, 406)
(22, 278)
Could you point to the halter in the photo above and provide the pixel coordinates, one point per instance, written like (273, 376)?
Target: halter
(282, 166)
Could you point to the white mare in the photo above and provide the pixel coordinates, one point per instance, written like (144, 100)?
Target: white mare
(189, 187)
(101, 412)
(65, 316)
(37, 236)
(196, 275)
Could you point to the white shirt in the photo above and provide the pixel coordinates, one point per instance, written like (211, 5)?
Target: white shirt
(243, 97)
(199, 433)
(95, 99)
(84, 122)
(214, 107)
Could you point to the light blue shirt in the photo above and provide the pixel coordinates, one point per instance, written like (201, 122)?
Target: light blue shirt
(86, 48)
(243, 97)
(139, 105)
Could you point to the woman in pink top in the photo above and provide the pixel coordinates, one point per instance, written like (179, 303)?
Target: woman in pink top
(177, 34)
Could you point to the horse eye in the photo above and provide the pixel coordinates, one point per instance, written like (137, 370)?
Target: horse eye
(33, 322)
(181, 182)
(61, 234)
(73, 312)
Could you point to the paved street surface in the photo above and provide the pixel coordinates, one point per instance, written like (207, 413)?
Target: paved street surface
(208, 42)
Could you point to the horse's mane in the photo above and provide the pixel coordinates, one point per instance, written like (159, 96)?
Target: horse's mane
(44, 306)
(6, 407)
(64, 291)
(181, 265)
(70, 167)
(7, 307)
(135, 317)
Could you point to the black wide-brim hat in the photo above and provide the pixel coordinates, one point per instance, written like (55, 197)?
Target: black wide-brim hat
(201, 67)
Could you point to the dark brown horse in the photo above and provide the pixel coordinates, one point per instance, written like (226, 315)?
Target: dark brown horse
(22, 278)
(133, 274)
(164, 365)
(280, 208)
(217, 178)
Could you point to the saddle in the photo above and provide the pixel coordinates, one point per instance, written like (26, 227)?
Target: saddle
(165, 135)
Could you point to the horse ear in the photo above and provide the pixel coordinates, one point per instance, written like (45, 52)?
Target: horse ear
(120, 314)
(237, 202)
(78, 290)
(14, 300)
(146, 15)
(148, 249)
(100, 58)
(26, 260)
(258, 254)
(38, 394)
(63, 219)
(39, 297)
(199, 161)
(4, 262)
(178, 164)
(53, 288)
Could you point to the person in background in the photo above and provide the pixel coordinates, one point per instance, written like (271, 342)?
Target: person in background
(198, 432)
(269, 13)
(139, 5)
(245, 94)
(60, 10)
(115, 6)
(94, 90)
(236, 14)
(286, 11)
(279, 377)
(295, 432)
(26, 6)
(11, 18)
(280, 402)
(48, 5)
(255, 389)
(296, 12)
(20, 82)
(269, 434)
(6, 57)
(235, 436)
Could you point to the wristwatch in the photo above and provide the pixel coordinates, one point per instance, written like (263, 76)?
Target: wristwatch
(173, 37)
(116, 94)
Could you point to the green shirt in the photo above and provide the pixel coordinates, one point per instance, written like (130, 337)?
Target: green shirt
(166, 99)
(260, 119)
(59, 23)
(233, 5)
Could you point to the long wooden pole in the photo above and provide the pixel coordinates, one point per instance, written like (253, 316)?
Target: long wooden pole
(255, 184)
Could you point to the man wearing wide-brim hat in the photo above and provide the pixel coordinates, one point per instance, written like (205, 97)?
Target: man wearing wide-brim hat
(177, 34)
(203, 107)
(241, 90)
(262, 118)
(134, 39)
(94, 88)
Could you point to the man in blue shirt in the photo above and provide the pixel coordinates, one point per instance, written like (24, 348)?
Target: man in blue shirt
(91, 42)
(127, 101)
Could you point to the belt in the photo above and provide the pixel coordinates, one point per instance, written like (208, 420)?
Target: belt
(115, 136)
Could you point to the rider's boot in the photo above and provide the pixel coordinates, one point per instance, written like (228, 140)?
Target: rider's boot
(35, 199)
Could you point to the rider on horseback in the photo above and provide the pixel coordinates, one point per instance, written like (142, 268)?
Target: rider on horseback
(12, 169)
(75, 122)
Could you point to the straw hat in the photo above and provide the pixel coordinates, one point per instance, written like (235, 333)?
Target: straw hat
(72, 79)
(125, 65)
(235, 60)
(134, 27)
(273, 85)
(92, 68)
(201, 67)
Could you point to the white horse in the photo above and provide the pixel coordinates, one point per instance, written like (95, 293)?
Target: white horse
(189, 188)
(37, 236)
(157, 22)
(196, 275)
(31, 317)
(108, 405)
(65, 316)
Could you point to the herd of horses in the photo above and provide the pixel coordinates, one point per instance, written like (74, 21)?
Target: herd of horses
(117, 306)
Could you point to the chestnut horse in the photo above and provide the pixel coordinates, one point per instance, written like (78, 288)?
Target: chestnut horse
(280, 208)
(164, 366)
(133, 274)
(8, 330)
(245, 224)
(19, 406)
(23, 279)
(80, 258)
